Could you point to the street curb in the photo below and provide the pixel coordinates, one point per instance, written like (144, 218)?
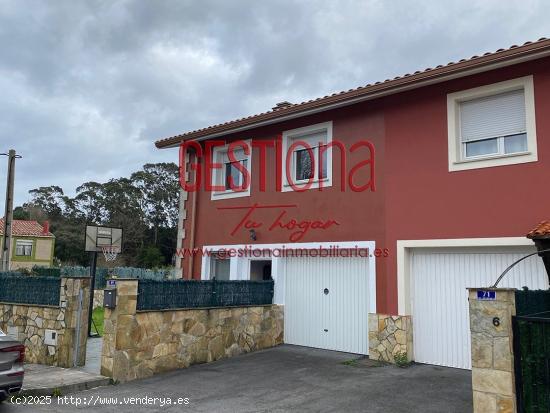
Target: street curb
(66, 388)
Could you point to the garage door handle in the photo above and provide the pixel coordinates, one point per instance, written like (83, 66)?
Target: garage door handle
(326, 330)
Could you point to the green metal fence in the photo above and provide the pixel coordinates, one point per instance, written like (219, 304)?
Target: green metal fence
(532, 301)
(24, 289)
(161, 295)
(531, 328)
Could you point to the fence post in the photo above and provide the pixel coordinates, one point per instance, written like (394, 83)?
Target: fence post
(118, 330)
(72, 348)
(492, 350)
(215, 297)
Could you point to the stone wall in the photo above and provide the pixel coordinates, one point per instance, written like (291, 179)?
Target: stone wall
(140, 344)
(492, 352)
(98, 298)
(28, 323)
(390, 335)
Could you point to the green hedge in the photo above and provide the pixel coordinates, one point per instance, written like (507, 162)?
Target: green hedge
(160, 295)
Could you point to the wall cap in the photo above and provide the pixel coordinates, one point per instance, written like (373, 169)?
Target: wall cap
(206, 308)
(29, 305)
(491, 289)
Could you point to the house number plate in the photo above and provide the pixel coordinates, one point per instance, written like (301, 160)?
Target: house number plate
(486, 295)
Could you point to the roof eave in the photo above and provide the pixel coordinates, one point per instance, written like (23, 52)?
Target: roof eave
(494, 61)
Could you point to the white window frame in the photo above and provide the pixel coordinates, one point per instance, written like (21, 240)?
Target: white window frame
(295, 134)
(24, 243)
(457, 159)
(215, 256)
(218, 174)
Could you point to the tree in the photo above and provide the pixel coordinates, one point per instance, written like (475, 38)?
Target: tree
(144, 205)
(49, 199)
(21, 212)
(160, 188)
(89, 202)
(150, 257)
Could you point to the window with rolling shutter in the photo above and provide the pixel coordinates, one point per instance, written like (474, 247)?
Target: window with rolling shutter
(493, 116)
(493, 125)
(490, 125)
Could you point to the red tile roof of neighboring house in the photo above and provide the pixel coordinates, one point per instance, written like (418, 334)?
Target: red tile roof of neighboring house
(542, 230)
(464, 67)
(26, 228)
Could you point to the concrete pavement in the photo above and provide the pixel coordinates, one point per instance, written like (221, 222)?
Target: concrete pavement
(45, 380)
(284, 379)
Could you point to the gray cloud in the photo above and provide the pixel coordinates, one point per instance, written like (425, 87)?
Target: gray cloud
(87, 86)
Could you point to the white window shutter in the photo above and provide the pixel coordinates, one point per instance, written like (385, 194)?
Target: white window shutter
(493, 116)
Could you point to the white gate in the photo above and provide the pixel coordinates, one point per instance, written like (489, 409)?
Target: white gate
(440, 301)
(326, 303)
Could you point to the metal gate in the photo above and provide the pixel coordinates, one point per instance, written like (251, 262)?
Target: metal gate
(532, 362)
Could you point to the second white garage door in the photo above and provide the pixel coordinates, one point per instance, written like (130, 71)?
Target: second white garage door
(439, 279)
(326, 303)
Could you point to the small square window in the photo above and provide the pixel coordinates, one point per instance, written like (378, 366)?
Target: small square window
(219, 267)
(23, 248)
(230, 180)
(234, 178)
(309, 154)
(304, 168)
(309, 163)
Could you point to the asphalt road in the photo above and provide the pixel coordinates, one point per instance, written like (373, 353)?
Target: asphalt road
(282, 379)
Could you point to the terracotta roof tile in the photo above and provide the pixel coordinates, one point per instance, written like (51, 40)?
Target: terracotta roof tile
(28, 228)
(500, 55)
(542, 230)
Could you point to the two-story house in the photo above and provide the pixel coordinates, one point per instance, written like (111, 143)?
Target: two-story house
(439, 173)
(32, 244)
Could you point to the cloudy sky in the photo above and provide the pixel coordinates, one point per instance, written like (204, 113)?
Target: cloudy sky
(86, 87)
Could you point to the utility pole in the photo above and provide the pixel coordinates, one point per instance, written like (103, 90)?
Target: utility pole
(5, 253)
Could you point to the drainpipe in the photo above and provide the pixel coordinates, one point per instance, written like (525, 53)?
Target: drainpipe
(193, 217)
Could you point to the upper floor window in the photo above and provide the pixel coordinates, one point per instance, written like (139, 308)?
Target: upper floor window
(230, 176)
(307, 157)
(492, 125)
(23, 248)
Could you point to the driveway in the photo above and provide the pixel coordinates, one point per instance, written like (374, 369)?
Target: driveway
(289, 378)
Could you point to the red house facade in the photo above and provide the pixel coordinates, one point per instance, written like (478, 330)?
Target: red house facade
(454, 177)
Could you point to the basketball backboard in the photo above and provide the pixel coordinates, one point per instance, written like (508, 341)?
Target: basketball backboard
(99, 237)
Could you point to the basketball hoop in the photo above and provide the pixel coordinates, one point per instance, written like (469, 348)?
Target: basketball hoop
(110, 252)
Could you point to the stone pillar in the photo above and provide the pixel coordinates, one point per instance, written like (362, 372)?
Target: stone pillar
(74, 317)
(117, 330)
(390, 338)
(492, 351)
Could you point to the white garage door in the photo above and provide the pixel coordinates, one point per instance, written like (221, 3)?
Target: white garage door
(326, 303)
(440, 301)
